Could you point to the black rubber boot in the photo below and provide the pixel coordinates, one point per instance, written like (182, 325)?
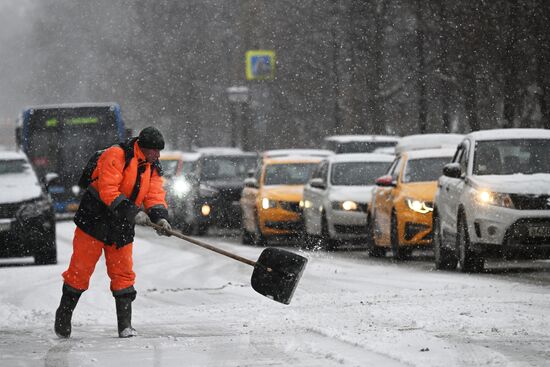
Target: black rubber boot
(124, 315)
(64, 312)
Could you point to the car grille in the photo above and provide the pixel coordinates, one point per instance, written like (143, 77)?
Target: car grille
(350, 229)
(412, 229)
(519, 231)
(286, 225)
(362, 207)
(530, 202)
(291, 206)
(9, 210)
(230, 195)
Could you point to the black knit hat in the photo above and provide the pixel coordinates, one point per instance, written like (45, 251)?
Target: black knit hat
(150, 138)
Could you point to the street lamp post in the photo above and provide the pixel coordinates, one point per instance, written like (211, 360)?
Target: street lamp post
(238, 97)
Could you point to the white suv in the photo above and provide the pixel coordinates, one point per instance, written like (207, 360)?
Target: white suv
(27, 218)
(493, 199)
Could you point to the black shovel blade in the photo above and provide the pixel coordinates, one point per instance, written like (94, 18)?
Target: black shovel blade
(277, 273)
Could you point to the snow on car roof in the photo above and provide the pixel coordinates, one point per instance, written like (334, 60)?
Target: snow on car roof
(179, 154)
(500, 134)
(428, 141)
(293, 159)
(348, 138)
(283, 152)
(429, 153)
(73, 105)
(361, 157)
(222, 151)
(12, 155)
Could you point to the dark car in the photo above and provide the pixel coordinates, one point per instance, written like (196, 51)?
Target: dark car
(210, 194)
(27, 218)
(341, 144)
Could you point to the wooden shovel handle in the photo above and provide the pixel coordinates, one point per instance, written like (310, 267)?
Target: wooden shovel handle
(203, 244)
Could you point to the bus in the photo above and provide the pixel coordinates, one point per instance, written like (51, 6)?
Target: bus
(59, 139)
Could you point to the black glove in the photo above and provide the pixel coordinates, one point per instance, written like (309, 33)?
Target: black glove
(165, 227)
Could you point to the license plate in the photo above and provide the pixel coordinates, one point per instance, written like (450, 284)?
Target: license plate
(539, 231)
(5, 226)
(72, 207)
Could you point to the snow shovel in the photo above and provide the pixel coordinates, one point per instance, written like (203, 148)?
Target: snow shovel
(276, 273)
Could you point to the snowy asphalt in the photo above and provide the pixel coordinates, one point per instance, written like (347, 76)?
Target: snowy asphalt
(196, 308)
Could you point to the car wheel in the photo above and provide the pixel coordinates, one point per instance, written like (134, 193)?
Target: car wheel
(246, 238)
(185, 228)
(310, 241)
(372, 249)
(326, 242)
(399, 253)
(258, 239)
(470, 262)
(46, 253)
(200, 229)
(444, 258)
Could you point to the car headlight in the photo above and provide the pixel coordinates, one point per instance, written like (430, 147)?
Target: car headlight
(347, 205)
(305, 204)
(181, 187)
(205, 210)
(268, 203)
(34, 208)
(76, 190)
(486, 197)
(419, 206)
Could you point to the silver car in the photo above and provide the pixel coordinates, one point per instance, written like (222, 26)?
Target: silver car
(337, 196)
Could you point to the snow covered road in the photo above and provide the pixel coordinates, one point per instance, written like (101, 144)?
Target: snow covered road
(197, 308)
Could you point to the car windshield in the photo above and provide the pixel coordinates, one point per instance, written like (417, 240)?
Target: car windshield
(288, 174)
(8, 166)
(221, 168)
(360, 146)
(169, 166)
(357, 173)
(506, 157)
(424, 169)
(188, 167)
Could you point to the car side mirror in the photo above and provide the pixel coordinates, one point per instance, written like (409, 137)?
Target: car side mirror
(452, 170)
(385, 181)
(50, 177)
(318, 183)
(251, 182)
(18, 132)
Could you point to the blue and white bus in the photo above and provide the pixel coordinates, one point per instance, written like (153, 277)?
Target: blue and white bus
(59, 139)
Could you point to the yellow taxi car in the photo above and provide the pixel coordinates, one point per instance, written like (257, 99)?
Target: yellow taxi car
(400, 216)
(270, 201)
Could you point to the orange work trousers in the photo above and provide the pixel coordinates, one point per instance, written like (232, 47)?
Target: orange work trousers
(87, 251)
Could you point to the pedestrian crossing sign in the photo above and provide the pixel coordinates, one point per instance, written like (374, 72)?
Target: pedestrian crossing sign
(260, 65)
